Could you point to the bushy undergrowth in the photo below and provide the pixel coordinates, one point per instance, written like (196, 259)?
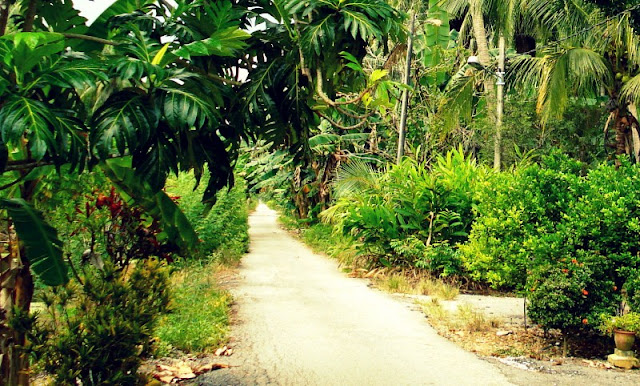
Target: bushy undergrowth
(568, 238)
(98, 327)
(563, 234)
(409, 215)
(223, 228)
(95, 332)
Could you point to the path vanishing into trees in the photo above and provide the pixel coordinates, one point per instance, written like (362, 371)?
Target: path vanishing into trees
(302, 322)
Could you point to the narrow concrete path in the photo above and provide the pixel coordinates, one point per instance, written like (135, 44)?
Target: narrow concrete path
(302, 322)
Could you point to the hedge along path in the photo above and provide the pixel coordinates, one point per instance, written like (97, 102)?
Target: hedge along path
(301, 322)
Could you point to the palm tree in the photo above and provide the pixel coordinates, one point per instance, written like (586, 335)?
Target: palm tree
(486, 22)
(600, 60)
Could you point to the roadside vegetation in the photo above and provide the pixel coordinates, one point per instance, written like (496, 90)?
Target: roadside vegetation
(107, 126)
(535, 200)
(198, 315)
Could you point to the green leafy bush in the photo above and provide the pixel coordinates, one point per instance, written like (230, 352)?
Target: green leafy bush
(98, 325)
(96, 331)
(409, 215)
(567, 238)
(570, 295)
(519, 221)
(627, 322)
(222, 228)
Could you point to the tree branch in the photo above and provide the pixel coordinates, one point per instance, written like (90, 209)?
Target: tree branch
(332, 103)
(25, 165)
(90, 38)
(10, 184)
(339, 126)
(30, 16)
(4, 15)
(352, 115)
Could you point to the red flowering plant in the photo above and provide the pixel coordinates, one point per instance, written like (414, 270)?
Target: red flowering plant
(118, 230)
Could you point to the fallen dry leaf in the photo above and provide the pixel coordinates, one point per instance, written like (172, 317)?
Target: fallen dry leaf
(210, 366)
(221, 351)
(164, 376)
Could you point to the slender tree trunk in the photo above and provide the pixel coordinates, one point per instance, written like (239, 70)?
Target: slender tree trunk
(4, 16)
(30, 16)
(624, 123)
(480, 35)
(497, 143)
(16, 293)
(634, 133)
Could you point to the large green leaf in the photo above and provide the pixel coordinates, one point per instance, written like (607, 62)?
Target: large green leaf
(60, 16)
(77, 73)
(124, 121)
(156, 159)
(43, 247)
(186, 106)
(227, 42)
(155, 202)
(437, 28)
(28, 49)
(19, 116)
(99, 27)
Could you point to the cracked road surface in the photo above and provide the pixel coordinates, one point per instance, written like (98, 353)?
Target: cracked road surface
(302, 322)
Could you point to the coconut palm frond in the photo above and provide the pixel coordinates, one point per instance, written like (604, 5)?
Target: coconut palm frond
(631, 91)
(551, 14)
(355, 176)
(560, 74)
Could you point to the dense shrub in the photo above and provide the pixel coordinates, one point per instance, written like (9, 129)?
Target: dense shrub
(222, 228)
(571, 294)
(519, 221)
(409, 215)
(96, 331)
(570, 239)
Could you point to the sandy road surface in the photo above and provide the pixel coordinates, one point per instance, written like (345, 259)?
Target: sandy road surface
(301, 322)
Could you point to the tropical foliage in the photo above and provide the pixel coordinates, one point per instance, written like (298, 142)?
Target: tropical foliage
(408, 215)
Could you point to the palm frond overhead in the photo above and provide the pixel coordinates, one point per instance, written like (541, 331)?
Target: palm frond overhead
(354, 176)
(559, 74)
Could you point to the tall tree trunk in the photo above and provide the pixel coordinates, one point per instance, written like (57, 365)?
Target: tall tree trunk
(634, 133)
(16, 293)
(480, 35)
(4, 16)
(624, 125)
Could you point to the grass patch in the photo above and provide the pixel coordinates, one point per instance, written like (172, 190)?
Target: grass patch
(199, 319)
(322, 239)
(436, 288)
(223, 228)
(465, 318)
(395, 283)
